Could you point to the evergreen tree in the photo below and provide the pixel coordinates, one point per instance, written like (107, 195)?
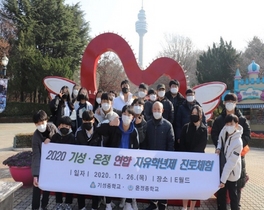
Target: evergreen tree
(51, 37)
(218, 64)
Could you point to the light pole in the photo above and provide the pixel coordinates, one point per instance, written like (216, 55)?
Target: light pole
(4, 64)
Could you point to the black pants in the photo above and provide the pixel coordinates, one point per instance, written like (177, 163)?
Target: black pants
(68, 200)
(221, 196)
(81, 201)
(36, 198)
(161, 204)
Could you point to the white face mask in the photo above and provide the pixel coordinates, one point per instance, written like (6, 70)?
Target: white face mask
(230, 129)
(137, 109)
(153, 97)
(141, 94)
(230, 106)
(126, 119)
(75, 92)
(161, 93)
(98, 100)
(106, 106)
(41, 128)
(174, 90)
(190, 98)
(157, 115)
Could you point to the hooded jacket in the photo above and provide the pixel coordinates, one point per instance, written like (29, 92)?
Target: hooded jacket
(232, 149)
(114, 135)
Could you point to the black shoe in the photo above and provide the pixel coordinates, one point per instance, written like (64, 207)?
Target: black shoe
(152, 206)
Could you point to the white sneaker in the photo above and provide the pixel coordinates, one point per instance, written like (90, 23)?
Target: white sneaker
(134, 204)
(184, 208)
(128, 206)
(108, 206)
(122, 203)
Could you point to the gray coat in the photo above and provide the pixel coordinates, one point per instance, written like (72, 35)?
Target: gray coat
(37, 140)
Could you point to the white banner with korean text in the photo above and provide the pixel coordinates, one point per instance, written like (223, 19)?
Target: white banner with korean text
(128, 173)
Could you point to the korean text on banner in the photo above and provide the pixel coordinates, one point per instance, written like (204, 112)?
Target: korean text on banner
(128, 173)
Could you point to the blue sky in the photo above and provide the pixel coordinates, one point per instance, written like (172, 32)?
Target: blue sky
(203, 21)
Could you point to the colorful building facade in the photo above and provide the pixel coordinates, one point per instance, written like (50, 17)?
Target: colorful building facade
(250, 94)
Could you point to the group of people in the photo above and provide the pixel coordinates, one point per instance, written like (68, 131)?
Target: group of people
(153, 120)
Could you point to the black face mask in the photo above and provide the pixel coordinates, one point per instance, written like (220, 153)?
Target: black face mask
(88, 126)
(65, 96)
(81, 97)
(194, 118)
(64, 131)
(125, 90)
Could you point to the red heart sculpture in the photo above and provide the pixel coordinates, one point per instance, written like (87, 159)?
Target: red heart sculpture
(115, 43)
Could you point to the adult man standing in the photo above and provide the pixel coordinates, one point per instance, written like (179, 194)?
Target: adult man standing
(230, 101)
(159, 136)
(124, 98)
(176, 99)
(168, 112)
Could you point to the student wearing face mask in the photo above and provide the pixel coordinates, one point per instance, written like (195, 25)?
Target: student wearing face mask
(61, 105)
(124, 135)
(142, 91)
(230, 101)
(193, 139)
(75, 91)
(184, 111)
(230, 141)
(44, 132)
(82, 105)
(168, 112)
(138, 108)
(64, 136)
(97, 102)
(152, 97)
(159, 136)
(141, 125)
(105, 112)
(176, 99)
(86, 135)
(124, 98)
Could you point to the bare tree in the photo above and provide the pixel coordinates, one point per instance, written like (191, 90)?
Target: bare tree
(254, 50)
(110, 72)
(182, 50)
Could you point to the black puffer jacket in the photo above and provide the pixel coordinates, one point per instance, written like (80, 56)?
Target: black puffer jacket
(219, 123)
(159, 135)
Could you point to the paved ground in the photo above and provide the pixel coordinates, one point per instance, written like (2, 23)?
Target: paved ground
(252, 195)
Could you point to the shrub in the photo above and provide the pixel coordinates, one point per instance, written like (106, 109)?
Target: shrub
(22, 140)
(20, 159)
(23, 109)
